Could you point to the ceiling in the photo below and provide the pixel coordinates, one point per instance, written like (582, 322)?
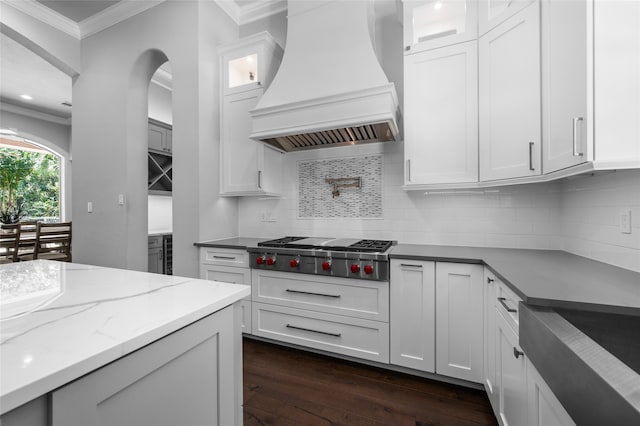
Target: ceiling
(77, 10)
(22, 72)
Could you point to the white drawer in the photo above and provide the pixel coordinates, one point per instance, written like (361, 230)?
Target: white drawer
(340, 296)
(225, 257)
(507, 304)
(227, 274)
(333, 333)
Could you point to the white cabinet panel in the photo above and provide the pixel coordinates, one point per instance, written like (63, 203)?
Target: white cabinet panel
(544, 407)
(459, 343)
(429, 24)
(564, 82)
(335, 333)
(441, 115)
(509, 75)
(490, 283)
(412, 314)
(494, 12)
(511, 375)
(341, 296)
(193, 376)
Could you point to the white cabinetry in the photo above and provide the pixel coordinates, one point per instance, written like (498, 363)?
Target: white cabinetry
(511, 375)
(247, 167)
(436, 317)
(494, 12)
(412, 314)
(340, 315)
(564, 83)
(490, 283)
(441, 115)
(591, 89)
(459, 343)
(510, 384)
(429, 24)
(231, 266)
(193, 376)
(509, 76)
(544, 407)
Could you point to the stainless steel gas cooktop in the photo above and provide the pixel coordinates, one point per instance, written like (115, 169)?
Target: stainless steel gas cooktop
(336, 257)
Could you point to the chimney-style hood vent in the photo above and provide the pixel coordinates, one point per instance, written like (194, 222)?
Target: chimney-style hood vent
(330, 89)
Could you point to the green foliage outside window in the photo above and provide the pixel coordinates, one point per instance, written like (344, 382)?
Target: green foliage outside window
(29, 185)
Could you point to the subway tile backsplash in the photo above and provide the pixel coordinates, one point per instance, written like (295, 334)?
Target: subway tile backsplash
(579, 215)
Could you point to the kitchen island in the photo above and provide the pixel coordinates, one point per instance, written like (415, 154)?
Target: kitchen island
(83, 343)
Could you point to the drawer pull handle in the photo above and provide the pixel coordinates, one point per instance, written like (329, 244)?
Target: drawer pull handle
(312, 293)
(409, 265)
(225, 257)
(503, 303)
(517, 353)
(314, 331)
(490, 280)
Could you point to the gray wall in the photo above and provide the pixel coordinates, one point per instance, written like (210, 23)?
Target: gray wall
(110, 143)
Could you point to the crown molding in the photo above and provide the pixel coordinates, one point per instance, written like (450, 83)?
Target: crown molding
(4, 106)
(245, 14)
(113, 15)
(46, 15)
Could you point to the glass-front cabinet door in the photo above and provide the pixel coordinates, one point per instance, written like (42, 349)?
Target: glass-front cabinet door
(249, 63)
(435, 23)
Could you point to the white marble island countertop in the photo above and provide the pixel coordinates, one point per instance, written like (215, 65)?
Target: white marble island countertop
(60, 321)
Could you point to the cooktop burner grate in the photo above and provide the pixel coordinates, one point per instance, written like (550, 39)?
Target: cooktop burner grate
(280, 242)
(371, 245)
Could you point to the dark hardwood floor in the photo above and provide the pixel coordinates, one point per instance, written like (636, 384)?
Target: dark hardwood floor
(284, 386)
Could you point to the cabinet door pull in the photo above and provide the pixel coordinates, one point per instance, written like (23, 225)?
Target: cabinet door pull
(490, 280)
(531, 156)
(224, 257)
(327, 333)
(408, 170)
(312, 293)
(409, 265)
(503, 303)
(259, 179)
(517, 353)
(576, 120)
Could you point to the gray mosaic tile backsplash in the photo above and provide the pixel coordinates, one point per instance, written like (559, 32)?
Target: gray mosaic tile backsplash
(315, 198)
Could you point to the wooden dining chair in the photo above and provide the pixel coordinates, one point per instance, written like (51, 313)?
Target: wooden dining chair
(53, 241)
(9, 240)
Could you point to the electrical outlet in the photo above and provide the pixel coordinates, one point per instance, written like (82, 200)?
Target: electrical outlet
(89, 207)
(625, 221)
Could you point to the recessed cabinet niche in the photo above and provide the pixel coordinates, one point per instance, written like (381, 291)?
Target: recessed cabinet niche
(247, 167)
(159, 159)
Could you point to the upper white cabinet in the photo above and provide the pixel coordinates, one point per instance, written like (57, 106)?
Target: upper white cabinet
(441, 115)
(247, 167)
(459, 342)
(429, 24)
(564, 84)
(412, 314)
(509, 76)
(249, 63)
(591, 88)
(494, 12)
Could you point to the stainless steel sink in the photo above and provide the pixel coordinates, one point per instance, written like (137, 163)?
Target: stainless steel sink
(618, 334)
(590, 360)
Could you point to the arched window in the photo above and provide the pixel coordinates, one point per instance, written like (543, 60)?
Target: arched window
(30, 181)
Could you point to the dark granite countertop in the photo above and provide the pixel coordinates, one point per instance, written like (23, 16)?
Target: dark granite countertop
(545, 277)
(232, 243)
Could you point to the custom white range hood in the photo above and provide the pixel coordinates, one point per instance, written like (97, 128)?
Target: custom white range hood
(330, 89)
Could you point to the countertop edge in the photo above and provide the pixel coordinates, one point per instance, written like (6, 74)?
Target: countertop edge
(18, 397)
